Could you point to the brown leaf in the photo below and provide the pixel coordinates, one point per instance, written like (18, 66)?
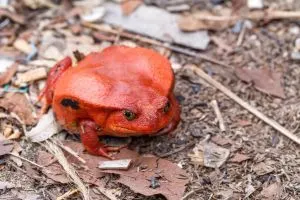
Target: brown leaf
(238, 158)
(130, 5)
(7, 76)
(5, 147)
(272, 192)
(221, 140)
(52, 170)
(144, 168)
(205, 20)
(262, 168)
(13, 16)
(18, 103)
(209, 154)
(264, 80)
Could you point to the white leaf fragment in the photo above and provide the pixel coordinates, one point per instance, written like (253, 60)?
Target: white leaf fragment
(45, 128)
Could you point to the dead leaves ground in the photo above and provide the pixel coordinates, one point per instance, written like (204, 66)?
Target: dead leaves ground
(261, 164)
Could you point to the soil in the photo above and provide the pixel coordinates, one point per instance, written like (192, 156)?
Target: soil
(267, 45)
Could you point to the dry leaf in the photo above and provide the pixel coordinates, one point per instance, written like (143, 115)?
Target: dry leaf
(205, 20)
(6, 185)
(45, 128)
(7, 76)
(18, 103)
(209, 154)
(171, 178)
(13, 16)
(130, 5)
(238, 158)
(272, 192)
(262, 168)
(6, 147)
(225, 194)
(221, 140)
(52, 169)
(264, 80)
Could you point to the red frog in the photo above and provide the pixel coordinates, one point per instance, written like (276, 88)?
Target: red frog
(120, 91)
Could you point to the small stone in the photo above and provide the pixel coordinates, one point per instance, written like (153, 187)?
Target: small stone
(255, 4)
(297, 44)
(95, 14)
(295, 56)
(294, 30)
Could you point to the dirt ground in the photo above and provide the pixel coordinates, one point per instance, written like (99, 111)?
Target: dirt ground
(262, 162)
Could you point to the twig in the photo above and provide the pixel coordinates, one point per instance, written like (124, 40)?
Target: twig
(217, 111)
(241, 35)
(25, 159)
(70, 151)
(155, 42)
(244, 104)
(67, 194)
(187, 195)
(175, 150)
(57, 152)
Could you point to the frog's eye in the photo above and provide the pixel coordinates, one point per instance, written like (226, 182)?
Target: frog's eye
(70, 103)
(129, 115)
(167, 107)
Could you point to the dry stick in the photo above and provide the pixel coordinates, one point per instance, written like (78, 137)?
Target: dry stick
(244, 104)
(25, 159)
(70, 151)
(155, 42)
(217, 111)
(57, 152)
(67, 194)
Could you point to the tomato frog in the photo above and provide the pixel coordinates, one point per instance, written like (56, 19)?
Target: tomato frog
(120, 91)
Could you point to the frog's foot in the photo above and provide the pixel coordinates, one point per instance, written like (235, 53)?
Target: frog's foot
(90, 140)
(56, 71)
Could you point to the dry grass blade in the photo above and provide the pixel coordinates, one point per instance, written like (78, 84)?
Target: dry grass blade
(244, 104)
(57, 152)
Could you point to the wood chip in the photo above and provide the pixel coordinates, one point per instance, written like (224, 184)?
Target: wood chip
(22, 45)
(31, 75)
(115, 164)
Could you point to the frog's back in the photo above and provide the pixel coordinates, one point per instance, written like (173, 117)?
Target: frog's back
(112, 76)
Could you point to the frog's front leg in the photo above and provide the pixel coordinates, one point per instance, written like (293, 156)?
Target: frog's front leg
(90, 140)
(56, 71)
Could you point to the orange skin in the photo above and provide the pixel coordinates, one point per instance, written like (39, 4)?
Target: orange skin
(120, 91)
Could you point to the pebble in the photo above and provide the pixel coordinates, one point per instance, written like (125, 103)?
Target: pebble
(255, 4)
(295, 56)
(297, 44)
(294, 30)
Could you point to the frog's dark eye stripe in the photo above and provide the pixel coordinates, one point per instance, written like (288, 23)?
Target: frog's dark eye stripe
(70, 103)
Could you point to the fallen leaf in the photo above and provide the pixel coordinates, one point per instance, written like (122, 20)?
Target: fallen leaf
(6, 147)
(262, 168)
(205, 20)
(94, 14)
(130, 5)
(221, 140)
(18, 103)
(7, 76)
(46, 127)
(238, 158)
(52, 169)
(272, 192)
(156, 23)
(264, 80)
(225, 194)
(13, 16)
(6, 185)
(171, 178)
(249, 190)
(209, 154)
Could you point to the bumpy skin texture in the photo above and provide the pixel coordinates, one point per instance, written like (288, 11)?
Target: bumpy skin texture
(91, 98)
